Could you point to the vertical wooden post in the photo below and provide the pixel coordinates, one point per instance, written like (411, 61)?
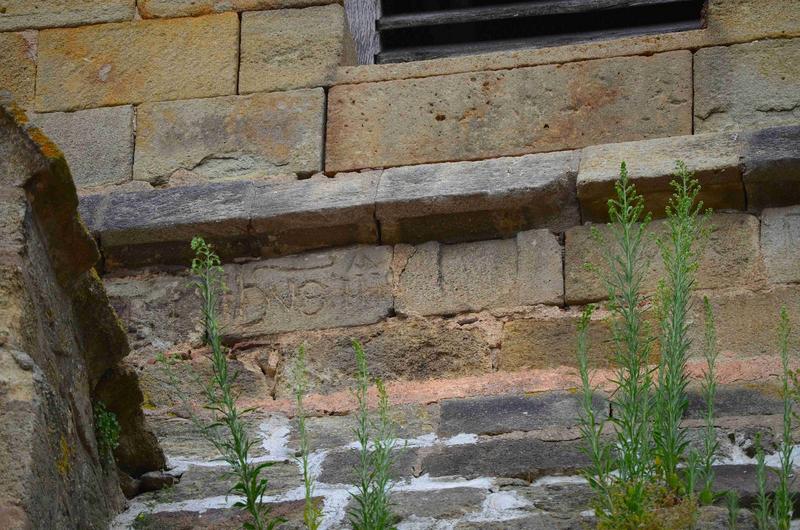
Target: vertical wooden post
(361, 15)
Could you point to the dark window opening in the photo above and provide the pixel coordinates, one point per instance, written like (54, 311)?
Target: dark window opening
(411, 30)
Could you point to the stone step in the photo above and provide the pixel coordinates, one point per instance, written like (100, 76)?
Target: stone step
(448, 202)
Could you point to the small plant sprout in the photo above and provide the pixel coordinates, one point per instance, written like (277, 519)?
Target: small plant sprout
(228, 431)
(783, 501)
(107, 431)
(732, 503)
(376, 439)
(312, 515)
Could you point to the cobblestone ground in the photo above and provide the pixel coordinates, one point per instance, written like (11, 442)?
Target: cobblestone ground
(501, 462)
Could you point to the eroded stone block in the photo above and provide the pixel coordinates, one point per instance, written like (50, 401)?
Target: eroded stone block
(236, 136)
(18, 65)
(191, 8)
(293, 48)
(713, 158)
(771, 160)
(508, 112)
(780, 243)
(23, 14)
(448, 279)
(132, 62)
(745, 86)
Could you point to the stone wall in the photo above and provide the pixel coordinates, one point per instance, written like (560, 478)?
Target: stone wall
(61, 350)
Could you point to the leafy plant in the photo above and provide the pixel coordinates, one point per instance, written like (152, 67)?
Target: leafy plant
(228, 431)
(377, 443)
(106, 430)
(625, 263)
(312, 515)
(782, 504)
(680, 257)
(710, 442)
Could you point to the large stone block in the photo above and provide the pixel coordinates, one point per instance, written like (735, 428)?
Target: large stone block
(478, 200)
(771, 162)
(441, 279)
(713, 158)
(508, 112)
(405, 349)
(289, 217)
(18, 65)
(341, 287)
(747, 322)
(780, 244)
(547, 338)
(132, 62)
(293, 48)
(23, 14)
(97, 143)
(155, 227)
(239, 136)
(191, 8)
(731, 257)
(747, 85)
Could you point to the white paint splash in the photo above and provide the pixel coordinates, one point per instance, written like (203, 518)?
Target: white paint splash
(275, 438)
(501, 506)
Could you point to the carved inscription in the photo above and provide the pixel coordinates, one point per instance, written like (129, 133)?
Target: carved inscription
(333, 288)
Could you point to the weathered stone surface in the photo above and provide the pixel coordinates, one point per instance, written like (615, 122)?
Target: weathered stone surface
(742, 480)
(441, 279)
(340, 467)
(190, 8)
(410, 349)
(449, 503)
(18, 65)
(747, 322)
(747, 85)
(97, 143)
(780, 244)
(23, 14)
(132, 62)
(341, 287)
(58, 337)
(219, 519)
(477, 200)
(731, 258)
(234, 136)
(772, 167)
(713, 158)
(149, 226)
(546, 339)
(523, 458)
(736, 401)
(505, 414)
(500, 113)
(289, 217)
(293, 48)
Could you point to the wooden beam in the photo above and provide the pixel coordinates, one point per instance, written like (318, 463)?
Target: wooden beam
(520, 9)
(419, 53)
(362, 16)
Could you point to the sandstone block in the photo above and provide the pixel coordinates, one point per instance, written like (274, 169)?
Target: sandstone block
(448, 279)
(731, 257)
(293, 48)
(341, 287)
(747, 322)
(18, 65)
(477, 200)
(546, 339)
(406, 349)
(97, 143)
(147, 227)
(236, 136)
(23, 14)
(713, 158)
(288, 217)
(191, 8)
(780, 244)
(508, 112)
(772, 167)
(747, 85)
(133, 62)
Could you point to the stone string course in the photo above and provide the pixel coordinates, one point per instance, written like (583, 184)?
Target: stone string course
(448, 202)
